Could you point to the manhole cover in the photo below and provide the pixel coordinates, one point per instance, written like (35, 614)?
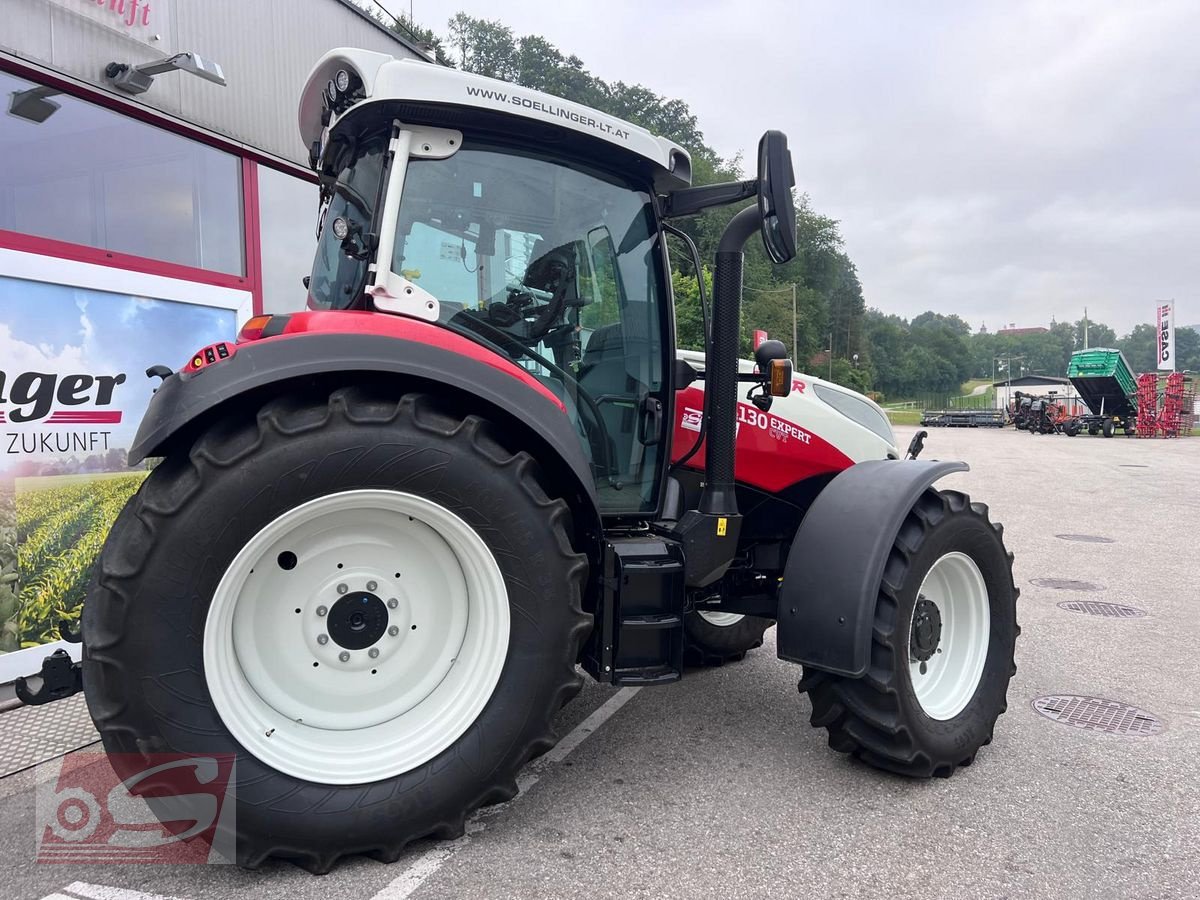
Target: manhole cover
(1066, 584)
(1085, 538)
(1098, 608)
(1096, 714)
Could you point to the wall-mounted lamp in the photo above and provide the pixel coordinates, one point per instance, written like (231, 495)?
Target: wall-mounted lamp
(32, 104)
(137, 79)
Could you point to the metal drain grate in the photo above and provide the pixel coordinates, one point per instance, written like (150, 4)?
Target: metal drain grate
(1066, 584)
(1134, 466)
(1099, 608)
(1085, 538)
(1096, 714)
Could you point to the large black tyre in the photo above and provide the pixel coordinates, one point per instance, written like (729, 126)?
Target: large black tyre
(714, 640)
(1109, 428)
(878, 718)
(144, 619)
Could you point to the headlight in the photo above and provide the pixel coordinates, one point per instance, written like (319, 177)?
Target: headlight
(857, 410)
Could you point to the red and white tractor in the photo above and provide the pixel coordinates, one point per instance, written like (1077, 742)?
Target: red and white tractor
(388, 531)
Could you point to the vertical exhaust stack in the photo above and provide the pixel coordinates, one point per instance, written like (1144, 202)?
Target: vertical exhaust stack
(721, 367)
(710, 533)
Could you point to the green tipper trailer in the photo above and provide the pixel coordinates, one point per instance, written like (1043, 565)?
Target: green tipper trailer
(1106, 384)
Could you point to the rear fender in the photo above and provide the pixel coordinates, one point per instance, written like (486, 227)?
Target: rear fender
(520, 405)
(831, 580)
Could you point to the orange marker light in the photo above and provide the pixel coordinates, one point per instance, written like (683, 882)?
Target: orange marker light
(253, 329)
(781, 377)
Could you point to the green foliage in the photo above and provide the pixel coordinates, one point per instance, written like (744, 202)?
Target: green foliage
(689, 320)
(60, 531)
(8, 568)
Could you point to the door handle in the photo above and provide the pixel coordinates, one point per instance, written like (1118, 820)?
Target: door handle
(650, 422)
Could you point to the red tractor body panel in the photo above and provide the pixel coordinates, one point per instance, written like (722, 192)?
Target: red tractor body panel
(404, 328)
(773, 453)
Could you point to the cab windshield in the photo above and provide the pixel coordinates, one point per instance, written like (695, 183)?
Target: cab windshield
(556, 266)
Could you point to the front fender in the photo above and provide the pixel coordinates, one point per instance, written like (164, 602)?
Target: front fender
(831, 580)
(490, 384)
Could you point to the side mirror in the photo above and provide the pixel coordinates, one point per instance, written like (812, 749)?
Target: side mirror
(775, 182)
(771, 357)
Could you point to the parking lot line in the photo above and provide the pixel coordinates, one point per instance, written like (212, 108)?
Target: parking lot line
(104, 892)
(428, 863)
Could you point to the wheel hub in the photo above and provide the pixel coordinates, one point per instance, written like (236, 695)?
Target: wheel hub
(926, 629)
(357, 620)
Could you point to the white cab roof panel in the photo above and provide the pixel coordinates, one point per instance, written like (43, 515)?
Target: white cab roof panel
(387, 78)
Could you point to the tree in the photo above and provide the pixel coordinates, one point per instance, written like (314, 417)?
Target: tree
(484, 47)
(1140, 347)
(1098, 335)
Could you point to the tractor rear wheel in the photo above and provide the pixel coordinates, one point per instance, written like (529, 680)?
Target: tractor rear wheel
(945, 629)
(372, 604)
(713, 638)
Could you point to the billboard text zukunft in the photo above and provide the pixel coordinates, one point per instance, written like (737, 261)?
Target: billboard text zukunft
(72, 392)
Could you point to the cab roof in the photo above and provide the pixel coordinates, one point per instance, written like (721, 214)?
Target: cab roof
(385, 78)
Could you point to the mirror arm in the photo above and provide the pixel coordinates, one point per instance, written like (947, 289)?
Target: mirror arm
(688, 201)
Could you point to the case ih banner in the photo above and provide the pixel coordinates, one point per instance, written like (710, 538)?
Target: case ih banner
(1166, 335)
(72, 392)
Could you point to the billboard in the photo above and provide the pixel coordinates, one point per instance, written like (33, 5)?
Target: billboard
(1165, 321)
(72, 392)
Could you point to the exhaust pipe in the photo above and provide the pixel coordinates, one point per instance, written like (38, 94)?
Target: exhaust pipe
(721, 366)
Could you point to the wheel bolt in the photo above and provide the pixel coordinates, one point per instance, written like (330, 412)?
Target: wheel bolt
(373, 652)
(322, 639)
(393, 603)
(341, 589)
(371, 585)
(394, 630)
(344, 656)
(321, 610)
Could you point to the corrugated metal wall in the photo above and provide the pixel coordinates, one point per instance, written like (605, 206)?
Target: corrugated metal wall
(266, 48)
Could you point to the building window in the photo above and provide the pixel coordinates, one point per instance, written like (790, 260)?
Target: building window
(287, 214)
(77, 172)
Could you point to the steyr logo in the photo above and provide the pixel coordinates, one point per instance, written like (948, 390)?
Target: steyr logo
(34, 396)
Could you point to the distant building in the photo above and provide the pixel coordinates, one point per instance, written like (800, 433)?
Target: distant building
(1013, 331)
(1051, 386)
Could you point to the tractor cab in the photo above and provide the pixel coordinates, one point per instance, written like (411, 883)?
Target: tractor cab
(551, 263)
(530, 225)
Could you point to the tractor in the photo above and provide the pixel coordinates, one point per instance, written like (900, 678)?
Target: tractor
(389, 534)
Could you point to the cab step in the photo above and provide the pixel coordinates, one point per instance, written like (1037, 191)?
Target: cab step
(638, 635)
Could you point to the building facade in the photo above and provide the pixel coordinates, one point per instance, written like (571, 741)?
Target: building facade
(134, 229)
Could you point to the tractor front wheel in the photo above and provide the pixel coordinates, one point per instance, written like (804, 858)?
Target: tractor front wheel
(945, 629)
(713, 637)
(370, 603)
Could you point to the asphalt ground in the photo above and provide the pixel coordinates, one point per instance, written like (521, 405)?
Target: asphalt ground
(718, 787)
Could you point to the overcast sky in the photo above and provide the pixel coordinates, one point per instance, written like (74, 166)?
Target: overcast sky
(1009, 161)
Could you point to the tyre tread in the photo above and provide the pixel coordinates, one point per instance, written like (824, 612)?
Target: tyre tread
(225, 446)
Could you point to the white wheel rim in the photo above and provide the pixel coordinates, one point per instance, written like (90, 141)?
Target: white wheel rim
(952, 674)
(369, 717)
(720, 619)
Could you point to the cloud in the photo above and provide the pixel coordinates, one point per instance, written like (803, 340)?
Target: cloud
(21, 356)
